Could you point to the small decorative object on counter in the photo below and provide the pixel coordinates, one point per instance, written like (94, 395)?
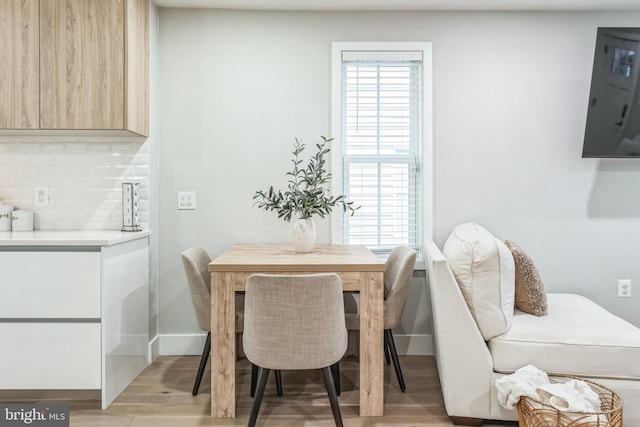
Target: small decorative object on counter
(130, 220)
(5, 216)
(22, 220)
(307, 195)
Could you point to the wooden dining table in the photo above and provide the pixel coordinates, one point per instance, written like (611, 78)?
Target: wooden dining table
(360, 270)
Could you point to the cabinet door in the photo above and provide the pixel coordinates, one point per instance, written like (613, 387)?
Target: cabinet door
(19, 64)
(49, 285)
(50, 356)
(82, 64)
(137, 60)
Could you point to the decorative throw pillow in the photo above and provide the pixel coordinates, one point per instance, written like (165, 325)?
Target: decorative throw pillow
(484, 269)
(530, 294)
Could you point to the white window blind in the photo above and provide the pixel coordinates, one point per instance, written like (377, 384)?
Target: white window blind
(381, 98)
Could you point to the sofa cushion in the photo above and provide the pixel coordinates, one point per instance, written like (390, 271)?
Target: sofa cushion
(530, 293)
(576, 337)
(485, 271)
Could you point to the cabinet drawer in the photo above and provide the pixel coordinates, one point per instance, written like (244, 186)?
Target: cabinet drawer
(49, 284)
(50, 356)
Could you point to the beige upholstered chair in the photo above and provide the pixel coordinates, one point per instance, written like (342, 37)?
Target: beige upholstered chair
(397, 275)
(196, 261)
(294, 322)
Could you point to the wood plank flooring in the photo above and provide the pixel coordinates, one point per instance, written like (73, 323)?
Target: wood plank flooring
(161, 396)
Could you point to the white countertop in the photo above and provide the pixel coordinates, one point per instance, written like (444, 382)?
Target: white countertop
(68, 238)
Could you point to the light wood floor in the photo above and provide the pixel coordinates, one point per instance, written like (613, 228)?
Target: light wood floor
(161, 396)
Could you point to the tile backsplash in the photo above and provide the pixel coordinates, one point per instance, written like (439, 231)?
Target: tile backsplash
(84, 178)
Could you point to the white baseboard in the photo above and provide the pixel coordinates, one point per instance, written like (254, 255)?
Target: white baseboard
(181, 344)
(153, 350)
(192, 344)
(414, 345)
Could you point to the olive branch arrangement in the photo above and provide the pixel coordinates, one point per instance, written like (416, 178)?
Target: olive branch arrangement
(306, 193)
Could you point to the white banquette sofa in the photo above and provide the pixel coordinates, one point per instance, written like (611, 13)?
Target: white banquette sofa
(480, 336)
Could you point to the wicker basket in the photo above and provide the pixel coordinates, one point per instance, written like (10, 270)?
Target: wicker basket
(532, 413)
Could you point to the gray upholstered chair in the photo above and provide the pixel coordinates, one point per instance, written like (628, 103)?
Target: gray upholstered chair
(294, 322)
(397, 275)
(196, 261)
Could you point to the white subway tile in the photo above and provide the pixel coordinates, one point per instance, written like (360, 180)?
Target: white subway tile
(19, 158)
(115, 158)
(75, 147)
(30, 147)
(84, 178)
(51, 171)
(52, 147)
(124, 171)
(8, 147)
(99, 147)
(42, 159)
(140, 159)
(142, 170)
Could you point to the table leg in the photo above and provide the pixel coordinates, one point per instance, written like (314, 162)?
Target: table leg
(371, 345)
(223, 349)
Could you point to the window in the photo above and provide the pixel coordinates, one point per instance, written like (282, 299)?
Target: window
(622, 61)
(381, 122)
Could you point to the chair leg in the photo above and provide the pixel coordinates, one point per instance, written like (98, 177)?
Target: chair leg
(279, 383)
(335, 372)
(386, 350)
(333, 398)
(203, 364)
(254, 379)
(263, 374)
(394, 357)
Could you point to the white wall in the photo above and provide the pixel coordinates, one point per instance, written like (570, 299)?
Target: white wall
(510, 99)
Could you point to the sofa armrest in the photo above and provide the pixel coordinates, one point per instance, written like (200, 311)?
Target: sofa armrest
(464, 362)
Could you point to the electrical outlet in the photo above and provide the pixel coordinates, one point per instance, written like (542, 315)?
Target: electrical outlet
(41, 196)
(186, 200)
(624, 288)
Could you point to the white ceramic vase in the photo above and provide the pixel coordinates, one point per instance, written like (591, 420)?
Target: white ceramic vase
(304, 235)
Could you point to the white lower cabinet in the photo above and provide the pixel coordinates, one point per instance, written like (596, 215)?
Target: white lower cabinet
(74, 318)
(48, 284)
(50, 356)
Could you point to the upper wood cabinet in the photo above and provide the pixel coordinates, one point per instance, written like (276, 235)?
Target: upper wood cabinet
(19, 63)
(93, 65)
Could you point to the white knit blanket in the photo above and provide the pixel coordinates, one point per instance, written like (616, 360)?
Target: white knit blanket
(523, 382)
(529, 381)
(571, 396)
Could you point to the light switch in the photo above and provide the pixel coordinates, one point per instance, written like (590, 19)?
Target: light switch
(186, 200)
